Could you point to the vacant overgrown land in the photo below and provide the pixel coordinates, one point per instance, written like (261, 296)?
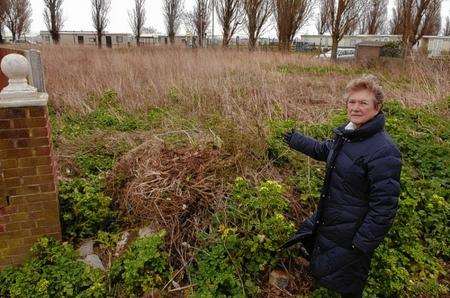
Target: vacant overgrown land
(188, 143)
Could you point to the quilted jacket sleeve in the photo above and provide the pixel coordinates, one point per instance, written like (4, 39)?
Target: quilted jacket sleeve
(311, 147)
(384, 186)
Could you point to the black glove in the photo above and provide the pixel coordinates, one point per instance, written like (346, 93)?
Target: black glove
(288, 135)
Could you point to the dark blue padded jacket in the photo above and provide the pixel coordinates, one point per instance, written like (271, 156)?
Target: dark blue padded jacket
(358, 202)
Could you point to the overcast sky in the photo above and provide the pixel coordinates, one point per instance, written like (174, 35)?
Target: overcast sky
(77, 16)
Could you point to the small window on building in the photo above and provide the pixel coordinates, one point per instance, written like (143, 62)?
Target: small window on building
(92, 39)
(119, 39)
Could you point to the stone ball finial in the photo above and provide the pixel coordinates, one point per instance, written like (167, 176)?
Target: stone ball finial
(19, 93)
(16, 67)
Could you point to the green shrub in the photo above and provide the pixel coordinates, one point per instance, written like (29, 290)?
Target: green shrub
(243, 241)
(52, 271)
(85, 209)
(143, 267)
(392, 49)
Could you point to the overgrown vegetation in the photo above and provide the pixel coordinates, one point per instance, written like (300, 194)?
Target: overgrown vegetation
(143, 269)
(238, 108)
(52, 271)
(243, 241)
(85, 209)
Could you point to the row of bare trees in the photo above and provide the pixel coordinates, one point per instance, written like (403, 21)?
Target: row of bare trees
(411, 19)
(16, 16)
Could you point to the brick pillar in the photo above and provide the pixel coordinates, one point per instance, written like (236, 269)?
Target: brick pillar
(29, 207)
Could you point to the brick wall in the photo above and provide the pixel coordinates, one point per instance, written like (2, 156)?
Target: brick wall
(29, 206)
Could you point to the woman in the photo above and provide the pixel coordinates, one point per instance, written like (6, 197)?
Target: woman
(360, 193)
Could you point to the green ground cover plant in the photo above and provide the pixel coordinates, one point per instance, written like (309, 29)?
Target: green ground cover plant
(53, 270)
(142, 269)
(85, 209)
(243, 241)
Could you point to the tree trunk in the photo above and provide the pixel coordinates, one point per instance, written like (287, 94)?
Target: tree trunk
(284, 45)
(172, 37)
(226, 36)
(252, 43)
(13, 33)
(1, 36)
(334, 47)
(99, 40)
(138, 40)
(55, 37)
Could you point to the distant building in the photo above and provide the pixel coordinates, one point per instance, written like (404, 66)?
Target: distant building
(88, 38)
(156, 39)
(434, 45)
(348, 41)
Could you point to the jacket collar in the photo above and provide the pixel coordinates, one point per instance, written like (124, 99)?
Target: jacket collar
(368, 129)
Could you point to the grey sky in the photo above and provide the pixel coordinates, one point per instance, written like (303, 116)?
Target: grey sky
(77, 16)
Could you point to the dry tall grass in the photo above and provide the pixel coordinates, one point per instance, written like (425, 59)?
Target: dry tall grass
(238, 84)
(242, 89)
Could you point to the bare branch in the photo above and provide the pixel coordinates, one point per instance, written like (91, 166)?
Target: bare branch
(257, 13)
(99, 15)
(53, 17)
(343, 16)
(322, 17)
(446, 29)
(374, 17)
(137, 17)
(199, 18)
(230, 15)
(414, 19)
(18, 18)
(290, 16)
(4, 7)
(173, 12)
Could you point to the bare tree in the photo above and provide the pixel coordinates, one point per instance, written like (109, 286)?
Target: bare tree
(343, 18)
(99, 15)
(199, 18)
(433, 15)
(3, 10)
(173, 12)
(395, 23)
(446, 29)
(53, 18)
(137, 17)
(290, 16)
(322, 20)
(415, 18)
(18, 18)
(230, 15)
(374, 17)
(322, 17)
(257, 13)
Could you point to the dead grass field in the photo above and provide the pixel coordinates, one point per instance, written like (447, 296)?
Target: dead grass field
(238, 84)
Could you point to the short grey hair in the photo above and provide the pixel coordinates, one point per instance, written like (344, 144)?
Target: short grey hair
(367, 82)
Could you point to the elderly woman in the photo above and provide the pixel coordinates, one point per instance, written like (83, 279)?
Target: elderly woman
(360, 194)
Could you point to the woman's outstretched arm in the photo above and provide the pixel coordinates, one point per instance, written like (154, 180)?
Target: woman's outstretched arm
(309, 146)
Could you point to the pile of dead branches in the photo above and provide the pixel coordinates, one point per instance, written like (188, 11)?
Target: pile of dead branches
(171, 189)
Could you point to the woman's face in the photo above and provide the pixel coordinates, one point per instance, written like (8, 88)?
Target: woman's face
(361, 107)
